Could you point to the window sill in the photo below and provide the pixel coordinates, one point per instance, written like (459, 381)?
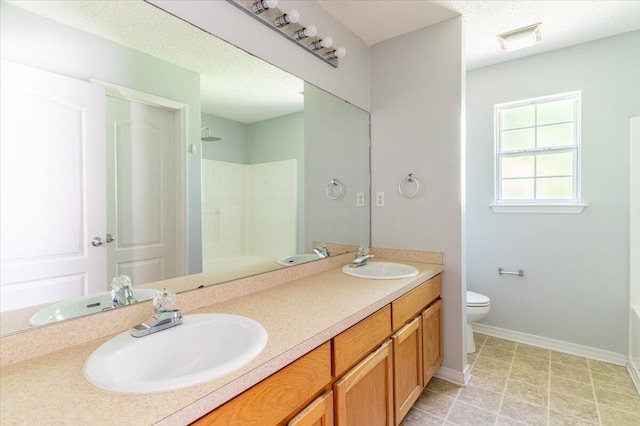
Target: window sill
(539, 208)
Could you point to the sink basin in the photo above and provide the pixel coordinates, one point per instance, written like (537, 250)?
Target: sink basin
(83, 305)
(297, 259)
(204, 347)
(381, 271)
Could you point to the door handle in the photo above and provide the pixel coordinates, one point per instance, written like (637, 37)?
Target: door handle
(97, 241)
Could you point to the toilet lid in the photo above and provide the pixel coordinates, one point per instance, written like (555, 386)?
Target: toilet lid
(475, 299)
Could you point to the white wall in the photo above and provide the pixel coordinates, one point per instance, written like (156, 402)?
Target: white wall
(272, 208)
(634, 213)
(224, 205)
(634, 246)
(232, 146)
(576, 283)
(416, 109)
(350, 81)
(277, 139)
(248, 210)
(336, 136)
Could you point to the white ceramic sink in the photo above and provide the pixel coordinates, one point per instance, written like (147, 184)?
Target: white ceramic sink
(297, 259)
(204, 347)
(381, 271)
(83, 305)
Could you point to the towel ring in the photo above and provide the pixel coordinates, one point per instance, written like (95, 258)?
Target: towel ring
(330, 191)
(409, 179)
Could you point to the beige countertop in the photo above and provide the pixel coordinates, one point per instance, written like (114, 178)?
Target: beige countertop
(298, 316)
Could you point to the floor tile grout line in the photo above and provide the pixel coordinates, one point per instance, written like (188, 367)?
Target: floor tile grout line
(478, 349)
(549, 388)
(428, 413)
(593, 390)
(446, 418)
(504, 387)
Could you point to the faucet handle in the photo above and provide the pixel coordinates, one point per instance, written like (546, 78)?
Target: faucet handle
(121, 293)
(119, 282)
(363, 251)
(163, 300)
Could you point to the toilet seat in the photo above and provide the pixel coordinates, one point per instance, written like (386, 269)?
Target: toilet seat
(476, 309)
(475, 300)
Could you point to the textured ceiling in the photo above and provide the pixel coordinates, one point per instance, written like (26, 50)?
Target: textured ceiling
(565, 23)
(232, 81)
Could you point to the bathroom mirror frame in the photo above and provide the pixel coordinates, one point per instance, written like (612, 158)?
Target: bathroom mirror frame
(347, 246)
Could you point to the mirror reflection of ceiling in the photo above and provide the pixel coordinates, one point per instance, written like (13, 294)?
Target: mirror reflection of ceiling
(232, 81)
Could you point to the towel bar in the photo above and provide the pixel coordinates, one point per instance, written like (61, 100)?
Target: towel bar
(520, 272)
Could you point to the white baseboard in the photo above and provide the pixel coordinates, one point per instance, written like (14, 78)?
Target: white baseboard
(635, 375)
(454, 376)
(556, 345)
(467, 374)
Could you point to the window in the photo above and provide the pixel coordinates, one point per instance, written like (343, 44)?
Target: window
(538, 151)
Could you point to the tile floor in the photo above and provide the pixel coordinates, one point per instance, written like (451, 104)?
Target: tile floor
(517, 384)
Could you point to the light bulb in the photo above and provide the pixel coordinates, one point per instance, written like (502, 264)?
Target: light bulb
(340, 52)
(262, 5)
(287, 18)
(309, 31)
(325, 42)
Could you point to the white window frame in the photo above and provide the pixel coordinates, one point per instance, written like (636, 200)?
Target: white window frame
(573, 205)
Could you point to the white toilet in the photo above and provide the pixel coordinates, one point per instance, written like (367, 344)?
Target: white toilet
(477, 308)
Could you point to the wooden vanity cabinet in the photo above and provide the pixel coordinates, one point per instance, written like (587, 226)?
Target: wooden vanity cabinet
(358, 395)
(279, 396)
(364, 396)
(318, 413)
(415, 344)
(363, 376)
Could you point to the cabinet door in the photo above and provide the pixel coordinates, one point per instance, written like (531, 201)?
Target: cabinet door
(364, 396)
(52, 187)
(432, 339)
(407, 367)
(318, 413)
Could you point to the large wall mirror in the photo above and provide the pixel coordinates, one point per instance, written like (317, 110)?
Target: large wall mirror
(134, 143)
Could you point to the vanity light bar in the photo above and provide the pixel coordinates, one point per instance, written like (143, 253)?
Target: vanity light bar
(287, 25)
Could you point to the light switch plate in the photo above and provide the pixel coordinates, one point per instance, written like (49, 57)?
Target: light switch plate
(360, 199)
(380, 199)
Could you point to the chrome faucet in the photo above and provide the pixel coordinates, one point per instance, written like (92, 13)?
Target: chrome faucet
(121, 292)
(321, 250)
(361, 258)
(163, 318)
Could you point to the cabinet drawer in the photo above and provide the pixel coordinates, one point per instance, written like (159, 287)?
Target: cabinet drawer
(357, 342)
(411, 304)
(276, 397)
